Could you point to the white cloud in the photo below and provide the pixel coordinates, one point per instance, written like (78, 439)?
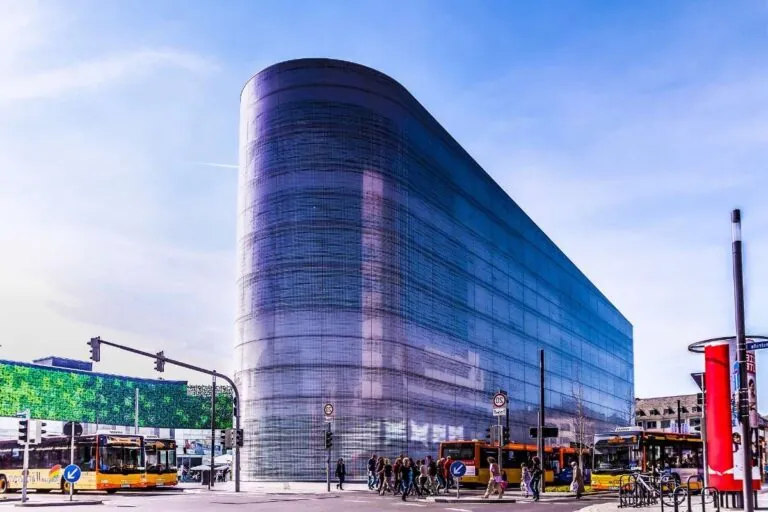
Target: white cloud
(97, 72)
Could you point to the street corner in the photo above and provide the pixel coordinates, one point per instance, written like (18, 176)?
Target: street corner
(67, 503)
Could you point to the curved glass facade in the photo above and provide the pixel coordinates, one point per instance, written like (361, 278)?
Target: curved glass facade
(382, 270)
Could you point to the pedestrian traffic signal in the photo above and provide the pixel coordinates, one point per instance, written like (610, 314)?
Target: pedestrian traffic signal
(95, 344)
(160, 362)
(489, 434)
(23, 431)
(239, 440)
(328, 439)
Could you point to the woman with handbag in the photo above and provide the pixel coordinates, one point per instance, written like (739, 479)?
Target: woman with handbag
(494, 482)
(577, 486)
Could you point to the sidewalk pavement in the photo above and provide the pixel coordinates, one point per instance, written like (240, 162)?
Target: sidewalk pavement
(613, 506)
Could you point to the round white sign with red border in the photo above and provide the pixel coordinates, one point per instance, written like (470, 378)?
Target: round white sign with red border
(499, 400)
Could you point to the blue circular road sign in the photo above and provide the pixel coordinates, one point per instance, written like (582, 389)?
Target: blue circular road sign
(458, 468)
(72, 473)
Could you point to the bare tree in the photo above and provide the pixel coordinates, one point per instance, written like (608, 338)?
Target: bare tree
(581, 424)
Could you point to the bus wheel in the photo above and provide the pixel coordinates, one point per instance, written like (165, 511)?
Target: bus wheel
(111, 491)
(3, 485)
(43, 491)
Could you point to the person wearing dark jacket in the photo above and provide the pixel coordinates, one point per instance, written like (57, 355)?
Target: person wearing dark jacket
(341, 474)
(536, 475)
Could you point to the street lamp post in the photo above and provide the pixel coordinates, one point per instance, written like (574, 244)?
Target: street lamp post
(741, 343)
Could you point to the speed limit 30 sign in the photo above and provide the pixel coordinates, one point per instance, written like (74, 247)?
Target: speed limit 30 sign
(328, 412)
(499, 404)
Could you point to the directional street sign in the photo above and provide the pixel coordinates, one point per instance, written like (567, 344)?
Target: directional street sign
(458, 469)
(72, 473)
(757, 345)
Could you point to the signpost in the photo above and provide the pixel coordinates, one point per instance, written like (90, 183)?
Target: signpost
(756, 345)
(328, 418)
(499, 410)
(458, 469)
(25, 465)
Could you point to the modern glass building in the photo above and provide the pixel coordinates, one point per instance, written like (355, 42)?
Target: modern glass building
(383, 271)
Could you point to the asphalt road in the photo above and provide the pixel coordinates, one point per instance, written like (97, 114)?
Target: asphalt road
(282, 502)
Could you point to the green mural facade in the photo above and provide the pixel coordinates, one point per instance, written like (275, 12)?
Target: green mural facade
(59, 394)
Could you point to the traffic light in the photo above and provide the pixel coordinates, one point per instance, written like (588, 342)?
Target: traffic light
(700, 399)
(23, 431)
(488, 434)
(505, 435)
(328, 439)
(160, 362)
(95, 344)
(239, 438)
(37, 432)
(226, 438)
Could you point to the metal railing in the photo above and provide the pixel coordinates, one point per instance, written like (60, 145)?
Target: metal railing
(643, 490)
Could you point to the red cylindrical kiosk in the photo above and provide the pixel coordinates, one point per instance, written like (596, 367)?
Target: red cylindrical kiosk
(717, 379)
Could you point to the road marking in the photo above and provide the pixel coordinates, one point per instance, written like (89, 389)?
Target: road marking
(459, 509)
(358, 501)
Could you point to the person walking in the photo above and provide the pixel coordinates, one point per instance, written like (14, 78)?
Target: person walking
(536, 478)
(341, 474)
(372, 472)
(525, 481)
(415, 476)
(396, 471)
(494, 482)
(441, 480)
(406, 478)
(387, 478)
(577, 486)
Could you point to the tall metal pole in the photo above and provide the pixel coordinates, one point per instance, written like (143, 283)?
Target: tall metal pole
(213, 430)
(72, 455)
(679, 419)
(540, 440)
(136, 413)
(500, 433)
(705, 459)
(25, 462)
(328, 464)
(741, 341)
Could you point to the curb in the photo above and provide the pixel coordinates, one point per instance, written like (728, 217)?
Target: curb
(468, 500)
(61, 503)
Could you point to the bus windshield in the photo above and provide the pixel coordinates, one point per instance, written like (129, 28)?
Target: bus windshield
(458, 451)
(616, 453)
(124, 455)
(161, 457)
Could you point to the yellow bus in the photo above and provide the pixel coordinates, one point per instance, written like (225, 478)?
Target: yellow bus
(474, 454)
(161, 468)
(631, 450)
(109, 462)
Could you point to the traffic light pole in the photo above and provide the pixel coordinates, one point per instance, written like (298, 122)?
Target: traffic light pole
(213, 431)
(25, 466)
(95, 355)
(500, 433)
(72, 458)
(540, 440)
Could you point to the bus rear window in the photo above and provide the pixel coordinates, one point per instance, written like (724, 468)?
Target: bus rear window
(459, 451)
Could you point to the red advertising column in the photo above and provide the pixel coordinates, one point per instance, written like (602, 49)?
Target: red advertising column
(717, 378)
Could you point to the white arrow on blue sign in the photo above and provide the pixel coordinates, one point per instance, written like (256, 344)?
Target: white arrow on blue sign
(72, 473)
(458, 469)
(757, 345)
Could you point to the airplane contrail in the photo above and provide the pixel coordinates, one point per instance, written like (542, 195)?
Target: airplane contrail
(214, 164)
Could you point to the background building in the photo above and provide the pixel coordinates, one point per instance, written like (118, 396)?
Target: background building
(661, 413)
(382, 270)
(58, 390)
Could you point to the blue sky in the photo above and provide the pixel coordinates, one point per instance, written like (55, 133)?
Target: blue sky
(627, 130)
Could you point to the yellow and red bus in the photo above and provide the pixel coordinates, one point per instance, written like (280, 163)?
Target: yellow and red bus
(109, 462)
(631, 450)
(161, 470)
(474, 454)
